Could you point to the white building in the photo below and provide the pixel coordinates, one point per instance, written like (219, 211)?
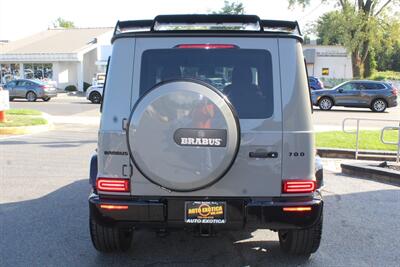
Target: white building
(65, 56)
(328, 61)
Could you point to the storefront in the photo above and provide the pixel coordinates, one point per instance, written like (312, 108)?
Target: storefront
(51, 56)
(40, 71)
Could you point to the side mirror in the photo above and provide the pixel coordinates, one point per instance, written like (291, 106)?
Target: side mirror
(340, 90)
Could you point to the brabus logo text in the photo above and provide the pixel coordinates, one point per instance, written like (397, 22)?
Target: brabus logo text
(201, 141)
(201, 137)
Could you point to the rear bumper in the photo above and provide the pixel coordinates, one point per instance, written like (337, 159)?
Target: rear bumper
(49, 94)
(240, 212)
(392, 102)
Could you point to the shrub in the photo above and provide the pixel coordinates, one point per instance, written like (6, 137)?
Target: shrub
(386, 75)
(71, 88)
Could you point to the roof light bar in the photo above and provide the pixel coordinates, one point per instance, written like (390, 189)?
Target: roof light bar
(208, 22)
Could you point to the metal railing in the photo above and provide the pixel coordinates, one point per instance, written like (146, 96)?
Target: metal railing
(357, 132)
(392, 143)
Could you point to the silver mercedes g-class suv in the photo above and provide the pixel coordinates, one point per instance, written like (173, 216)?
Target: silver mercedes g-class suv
(206, 126)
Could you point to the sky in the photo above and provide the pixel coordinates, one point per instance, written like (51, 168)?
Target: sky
(21, 18)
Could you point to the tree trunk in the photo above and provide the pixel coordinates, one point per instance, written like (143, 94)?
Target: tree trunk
(356, 65)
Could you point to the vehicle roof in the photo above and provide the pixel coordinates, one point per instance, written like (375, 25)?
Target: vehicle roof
(27, 80)
(369, 81)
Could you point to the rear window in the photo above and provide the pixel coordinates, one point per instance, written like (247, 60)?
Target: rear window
(373, 86)
(243, 75)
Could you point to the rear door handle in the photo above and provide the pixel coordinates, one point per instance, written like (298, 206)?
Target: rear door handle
(263, 154)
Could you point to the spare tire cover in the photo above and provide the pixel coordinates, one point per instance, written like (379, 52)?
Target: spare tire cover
(183, 135)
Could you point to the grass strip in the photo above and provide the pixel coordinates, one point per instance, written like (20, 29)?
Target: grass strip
(23, 112)
(368, 140)
(19, 120)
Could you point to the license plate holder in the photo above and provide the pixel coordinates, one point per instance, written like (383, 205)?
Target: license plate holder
(199, 212)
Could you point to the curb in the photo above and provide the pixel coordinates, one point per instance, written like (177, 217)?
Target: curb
(371, 172)
(377, 155)
(25, 129)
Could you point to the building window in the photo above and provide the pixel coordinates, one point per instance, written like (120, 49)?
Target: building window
(9, 72)
(38, 71)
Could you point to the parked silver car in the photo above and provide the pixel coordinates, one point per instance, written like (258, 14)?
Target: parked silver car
(31, 90)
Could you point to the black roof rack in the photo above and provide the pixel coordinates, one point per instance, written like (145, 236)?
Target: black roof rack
(176, 21)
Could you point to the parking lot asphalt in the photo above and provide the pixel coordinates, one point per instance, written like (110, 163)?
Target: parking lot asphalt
(65, 105)
(44, 212)
(332, 119)
(62, 105)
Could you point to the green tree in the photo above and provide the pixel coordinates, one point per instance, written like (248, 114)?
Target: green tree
(370, 63)
(328, 30)
(359, 24)
(231, 8)
(62, 23)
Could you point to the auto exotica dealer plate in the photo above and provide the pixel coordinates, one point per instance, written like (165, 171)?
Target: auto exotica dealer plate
(205, 212)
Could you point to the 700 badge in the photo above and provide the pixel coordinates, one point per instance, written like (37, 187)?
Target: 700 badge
(205, 212)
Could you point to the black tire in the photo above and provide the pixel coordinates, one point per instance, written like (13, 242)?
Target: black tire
(31, 96)
(301, 242)
(378, 105)
(325, 103)
(46, 99)
(95, 97)
(110, 239)
(11, 99)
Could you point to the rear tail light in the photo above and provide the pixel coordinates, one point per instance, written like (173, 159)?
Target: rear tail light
(298, 186)
(394, 91)
(206, 46)
(113, 207)
(112, 185)
(296, 209)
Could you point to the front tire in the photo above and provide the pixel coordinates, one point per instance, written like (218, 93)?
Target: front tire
(301, 242)
(378, 105)
(31, 96)
(46, 99)
(109, 239)
(325, 103)
(95, 98)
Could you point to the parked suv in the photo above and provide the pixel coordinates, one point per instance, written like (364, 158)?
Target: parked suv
(206, 129)
(95, 93)
(315, 83)
(362, 94)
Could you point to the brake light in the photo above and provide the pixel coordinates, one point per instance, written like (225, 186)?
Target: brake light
(296, 209)
(113, 207)
(298, 186)
(206, 46)
(394, 91)
(112, 185)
